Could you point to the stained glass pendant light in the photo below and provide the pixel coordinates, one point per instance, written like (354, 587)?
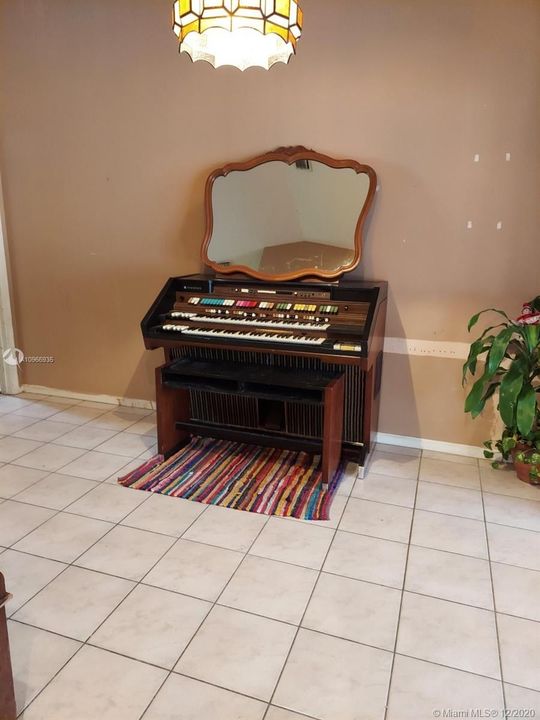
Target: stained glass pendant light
(243, 33)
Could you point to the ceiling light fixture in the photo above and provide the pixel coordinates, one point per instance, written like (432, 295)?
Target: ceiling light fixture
(242, 33)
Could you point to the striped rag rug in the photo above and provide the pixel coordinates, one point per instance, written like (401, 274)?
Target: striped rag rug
(256, 479)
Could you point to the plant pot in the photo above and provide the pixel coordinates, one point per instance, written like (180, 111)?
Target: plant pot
(523, 471)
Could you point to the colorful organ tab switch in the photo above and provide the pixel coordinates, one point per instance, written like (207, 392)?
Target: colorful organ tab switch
(263, 305)
(217, 302)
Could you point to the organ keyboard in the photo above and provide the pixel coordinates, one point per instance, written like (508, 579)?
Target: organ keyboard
(246, 335)
(330, 317)
(301, 326)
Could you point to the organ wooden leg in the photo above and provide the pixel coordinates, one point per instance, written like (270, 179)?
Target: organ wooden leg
(7, 694)
(372, 404)
(171, 405)
(333, 429)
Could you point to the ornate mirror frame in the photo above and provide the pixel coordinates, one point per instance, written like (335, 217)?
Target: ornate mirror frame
(288, 155)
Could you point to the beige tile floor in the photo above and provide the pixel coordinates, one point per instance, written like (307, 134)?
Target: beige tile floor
(419, 597)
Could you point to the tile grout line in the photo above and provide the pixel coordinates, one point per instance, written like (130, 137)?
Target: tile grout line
(394, 651)
(122, 523)
(251, 612)
(348, 532)
(448, 514)
(153, 665)
(352, 532)
(216, 603)
(234, 608)
(42, 443)
(299, 627)
(245, 555)
(130, 458)
(55, 513)
(85, 642)
(246, 612)
(80, 425)
(495, 619)
(56, 444)
(73, 562)
(75, 426)
(451, 667)
(53, 472)
(212, 606)
(457, 487)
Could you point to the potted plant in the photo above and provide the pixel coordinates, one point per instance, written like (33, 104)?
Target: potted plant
(511, 350)
(527, 465)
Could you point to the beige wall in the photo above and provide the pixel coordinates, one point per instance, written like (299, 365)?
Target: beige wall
(107, 136)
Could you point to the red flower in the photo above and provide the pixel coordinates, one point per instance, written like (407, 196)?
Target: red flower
(530, 315)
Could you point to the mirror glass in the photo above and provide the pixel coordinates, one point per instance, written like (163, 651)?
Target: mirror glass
(278, 219)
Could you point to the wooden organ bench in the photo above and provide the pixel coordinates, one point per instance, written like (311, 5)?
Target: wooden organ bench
(271, 387)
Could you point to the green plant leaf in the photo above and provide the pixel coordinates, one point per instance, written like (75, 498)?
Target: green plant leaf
(484, 335)
(485, 397)
(508, 443)
(531, 333)
(484, 349)
(474, 403)
(476, 348)
(511, 385)
(526, 409)
(498, 349)
(488, 454)
(491, 391)
(475, 318)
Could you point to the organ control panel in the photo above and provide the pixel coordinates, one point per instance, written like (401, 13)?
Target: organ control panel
(333, 319)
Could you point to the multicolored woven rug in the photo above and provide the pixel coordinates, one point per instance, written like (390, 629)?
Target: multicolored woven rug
(244, 477)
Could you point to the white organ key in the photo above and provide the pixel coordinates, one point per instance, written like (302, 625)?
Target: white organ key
(302, 340)
(301, 325)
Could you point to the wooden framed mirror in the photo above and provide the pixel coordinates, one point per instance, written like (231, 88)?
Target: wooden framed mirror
(288, 214)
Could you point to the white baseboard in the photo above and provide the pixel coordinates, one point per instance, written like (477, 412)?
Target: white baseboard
(426, 444)
(108, 399)
(383, 438)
